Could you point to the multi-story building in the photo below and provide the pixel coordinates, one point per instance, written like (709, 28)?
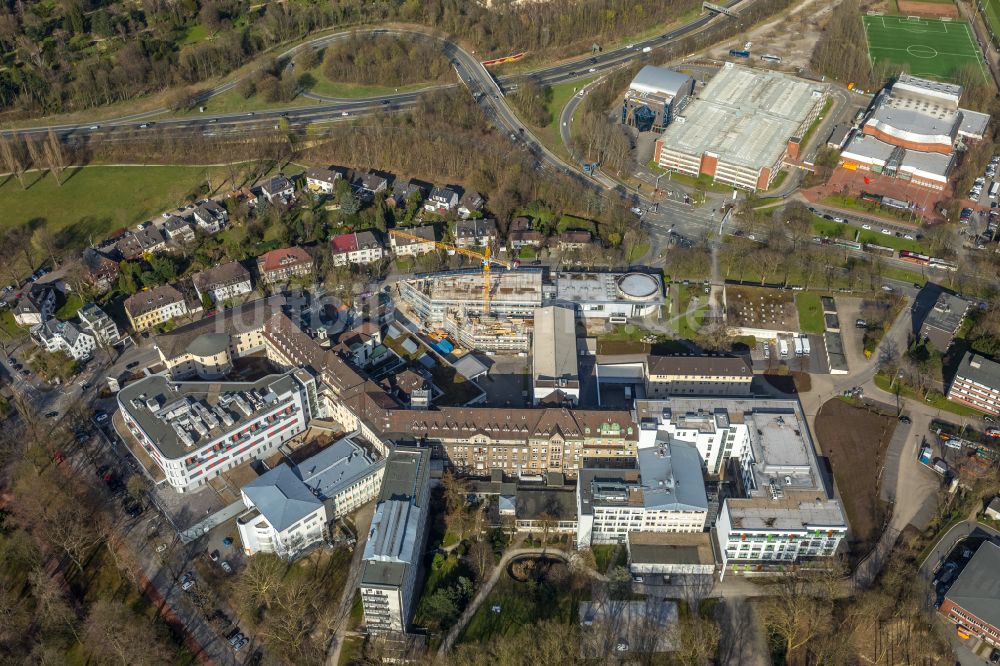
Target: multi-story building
(63, 336)
(102, 271)
(155, 306)
(178, 229)
(654, 96)
(362, 247)
(973, 601)
(977, 383)
(206, 348)
(37, 303)
(941, 322)
(322, 180)
(781, 510)
(666, 493)
(404, 246)
(210, 216)
(96, 322)
(742, 126)
(476, 233)
(148, 238)
(284, 264)
(519, 441)
(911, 131)
(697, 375)
(194, 431)
(395, 545)
(289, 506)
(222, 282)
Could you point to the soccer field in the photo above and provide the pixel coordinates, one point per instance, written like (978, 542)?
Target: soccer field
(932, 48)
(991, 10)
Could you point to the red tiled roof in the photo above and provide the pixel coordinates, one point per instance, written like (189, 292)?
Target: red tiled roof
(282, 257)
(344, 243)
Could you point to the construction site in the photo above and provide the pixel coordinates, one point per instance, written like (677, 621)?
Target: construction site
(494, 311)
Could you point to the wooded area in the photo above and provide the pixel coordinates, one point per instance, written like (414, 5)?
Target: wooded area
(387, 60)
(147, 47)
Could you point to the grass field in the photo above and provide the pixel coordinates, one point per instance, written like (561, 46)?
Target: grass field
(991, 10)
(837, 230)
(810, 312)
(93, 201)
(932, 48)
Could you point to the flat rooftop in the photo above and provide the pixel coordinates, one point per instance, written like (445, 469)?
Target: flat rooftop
(181, 417)
(582, 287)
(744, 116)
(670, 548)
(520, 286)
(553, 355)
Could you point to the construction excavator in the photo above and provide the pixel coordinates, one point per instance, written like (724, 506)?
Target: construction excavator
(485, 257)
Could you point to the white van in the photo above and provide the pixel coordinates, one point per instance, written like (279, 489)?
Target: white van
(805, 346)
(783, 347)
(798, 346)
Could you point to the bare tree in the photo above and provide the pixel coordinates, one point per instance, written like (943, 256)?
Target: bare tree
(480, 556)
(55, 156)
(10, 154)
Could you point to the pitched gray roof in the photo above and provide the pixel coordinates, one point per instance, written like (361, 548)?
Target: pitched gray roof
(977, 589)
(979, 369)
(281, 497)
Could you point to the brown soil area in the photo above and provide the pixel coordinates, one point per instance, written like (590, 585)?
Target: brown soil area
(854, 442)
(924, 8)
(795, 382)
(760, 307)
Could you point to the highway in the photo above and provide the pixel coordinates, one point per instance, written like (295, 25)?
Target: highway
(341, 109)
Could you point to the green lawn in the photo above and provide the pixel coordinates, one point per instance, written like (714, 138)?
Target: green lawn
(689, 298)
(8, 327)
(704, 182)
(562, 93)
(933, 398)
(833, 229)
(929, 47)
(94, 201)
(991, 10)
(904, 275)
(68, 310)
(324, 86)
(195, 34)
(810, 312)
(233, 102)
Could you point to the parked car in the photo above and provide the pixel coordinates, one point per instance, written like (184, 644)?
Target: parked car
(905, 419)
(226, 567)
(187, 584)
(214, 556)
(861, 323)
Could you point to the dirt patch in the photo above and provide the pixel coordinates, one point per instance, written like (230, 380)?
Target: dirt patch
(925, 8)
(761, 308)
(855, 441)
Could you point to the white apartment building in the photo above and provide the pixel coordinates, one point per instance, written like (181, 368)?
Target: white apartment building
(97, 323)
(665, 494)
(63, 336)
(404, 246)
(782, 510)
(395, 543)
(362, 247)
(193, 431)
(290, 505)
(222, 282)
(155, 306)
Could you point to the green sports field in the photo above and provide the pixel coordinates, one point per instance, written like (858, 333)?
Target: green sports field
(991, 10)
(932, 48)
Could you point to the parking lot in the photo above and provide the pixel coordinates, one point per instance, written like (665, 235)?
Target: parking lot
(767, 355)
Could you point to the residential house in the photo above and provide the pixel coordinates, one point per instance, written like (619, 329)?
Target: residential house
(403, 190)
(36, 305)
(102, 271)
(178, 229)
(155, 306)
(941, 322)
(362, 247)
(284, 264)
(470, 204)
(359, 345)
(977, 383)
(63, 336)
(521, 234)
(148, 238)
(476, 233)
(96, 322)
(993, 508)
(574, 239)
(370, 183)
(210, 216)
(278, 188)
(223, 282)
(442, 200)
(322, 180)
(404, 245)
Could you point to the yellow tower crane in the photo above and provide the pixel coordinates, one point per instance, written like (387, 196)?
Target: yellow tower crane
(485, 257)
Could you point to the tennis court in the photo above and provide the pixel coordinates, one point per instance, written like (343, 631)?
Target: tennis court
(932, 48)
